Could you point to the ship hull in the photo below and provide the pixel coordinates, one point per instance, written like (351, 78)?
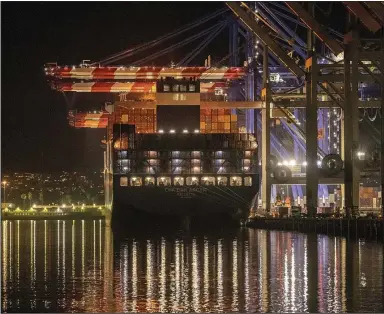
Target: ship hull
(185, 205)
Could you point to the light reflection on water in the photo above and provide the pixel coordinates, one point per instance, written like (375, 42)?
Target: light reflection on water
(75, 266)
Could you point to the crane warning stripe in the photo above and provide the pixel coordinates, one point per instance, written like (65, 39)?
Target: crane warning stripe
(130, 87)
(147, 73)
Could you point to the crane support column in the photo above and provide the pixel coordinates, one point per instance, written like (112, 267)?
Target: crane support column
(265, 139)
(312, 172)
(351, 127)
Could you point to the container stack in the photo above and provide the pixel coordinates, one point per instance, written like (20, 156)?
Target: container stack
(218, 121)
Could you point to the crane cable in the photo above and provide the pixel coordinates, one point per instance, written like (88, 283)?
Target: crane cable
(131, 51)
(188, 58)
(178, 45)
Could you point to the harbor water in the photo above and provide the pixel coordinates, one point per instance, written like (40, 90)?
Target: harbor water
(82, 266)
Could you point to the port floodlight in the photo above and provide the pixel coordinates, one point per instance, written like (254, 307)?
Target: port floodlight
(279, 164)
(133, 178)
(161, 131)
(292, 163)
(285, 163)
(197, 131)
(172, 131)
(319, 162)
(305, 163)
(34, 206)
(185, 131)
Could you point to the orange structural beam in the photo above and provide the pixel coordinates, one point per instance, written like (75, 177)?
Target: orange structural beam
(203, 104)
(144, 73)
(315, 26)
(377, 8)
(363, 15)
(128, 87)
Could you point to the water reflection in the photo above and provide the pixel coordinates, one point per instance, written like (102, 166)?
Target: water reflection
(74, 266)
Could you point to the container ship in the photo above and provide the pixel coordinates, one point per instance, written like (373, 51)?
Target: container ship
(181, 161)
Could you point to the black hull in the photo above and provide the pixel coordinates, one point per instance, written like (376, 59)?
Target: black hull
(184, 206)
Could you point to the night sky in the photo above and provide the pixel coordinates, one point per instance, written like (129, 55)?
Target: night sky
(35, 132)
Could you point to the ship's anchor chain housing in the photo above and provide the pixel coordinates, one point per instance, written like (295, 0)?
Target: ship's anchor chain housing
(331, 165)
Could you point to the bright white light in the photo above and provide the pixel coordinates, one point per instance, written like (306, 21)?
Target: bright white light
(64, 205)
(197, 131)
(360, 154)
(292, 163)
(34, 205)
(133, 178)
(172, 131)
(161, 131)
(305, 163)
(285, 163)
(279, 164)
(319, 162)
(125, 168)
(185, 131)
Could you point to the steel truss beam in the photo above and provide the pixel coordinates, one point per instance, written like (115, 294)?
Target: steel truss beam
(316, 27)
(265, 38)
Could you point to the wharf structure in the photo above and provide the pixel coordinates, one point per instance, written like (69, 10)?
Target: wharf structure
(312, 94)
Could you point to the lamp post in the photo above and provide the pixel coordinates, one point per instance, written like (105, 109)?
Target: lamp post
(4, 183)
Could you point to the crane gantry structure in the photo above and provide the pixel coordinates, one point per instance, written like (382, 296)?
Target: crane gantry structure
(303, 86)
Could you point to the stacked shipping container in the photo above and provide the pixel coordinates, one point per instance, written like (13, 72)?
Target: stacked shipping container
(218, 121)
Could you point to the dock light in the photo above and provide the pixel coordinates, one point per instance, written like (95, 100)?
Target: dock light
(185, 131)
(319, 162)
(172, 131)
(161, 131)
(305, 163)
(58, 210)
(292, 163)
(94, 205)
(64, 205)
(197, 131)
(34, 206)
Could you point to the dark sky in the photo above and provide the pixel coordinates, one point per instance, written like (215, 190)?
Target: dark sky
(35, 134)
